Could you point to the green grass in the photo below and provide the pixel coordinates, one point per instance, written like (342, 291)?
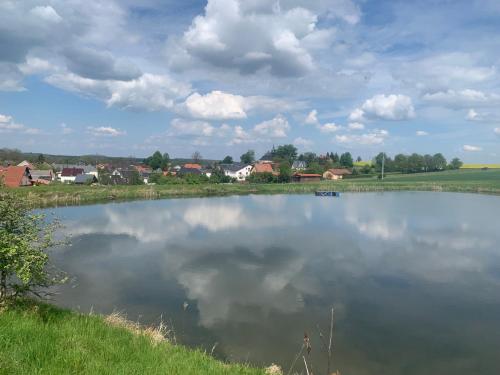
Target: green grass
(468, 181)
(40, 339)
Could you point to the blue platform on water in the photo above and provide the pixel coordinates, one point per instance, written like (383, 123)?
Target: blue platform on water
(327, 194)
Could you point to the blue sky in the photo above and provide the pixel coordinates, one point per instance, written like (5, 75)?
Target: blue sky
(224, 76)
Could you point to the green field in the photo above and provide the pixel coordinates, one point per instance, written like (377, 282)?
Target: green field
(468, 181)
(42, 339)
(479, 166)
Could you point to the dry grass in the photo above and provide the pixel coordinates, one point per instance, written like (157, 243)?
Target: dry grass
(157, 335)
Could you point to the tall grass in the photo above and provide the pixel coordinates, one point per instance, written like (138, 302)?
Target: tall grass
(41, 339)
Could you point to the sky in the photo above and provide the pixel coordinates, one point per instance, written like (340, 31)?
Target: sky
(126, 78)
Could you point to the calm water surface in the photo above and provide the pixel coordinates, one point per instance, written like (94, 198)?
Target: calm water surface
(414, 277)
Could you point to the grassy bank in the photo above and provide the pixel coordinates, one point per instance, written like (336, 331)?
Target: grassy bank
(40, 339)
(469, 181)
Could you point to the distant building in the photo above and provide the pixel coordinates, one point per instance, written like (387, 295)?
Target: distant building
(262, 167)
(299, 165)
(26, 163)
(86, 178)
(306, 177)
(69, 174)
(86, 168)
(42, 177)
(192, 166)
(237, 170)
(185, 170)
(15, 176)
(336, 174)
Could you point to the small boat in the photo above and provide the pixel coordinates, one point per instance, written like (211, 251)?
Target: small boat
(327, 194)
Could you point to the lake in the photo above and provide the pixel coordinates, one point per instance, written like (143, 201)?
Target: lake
(414, 277)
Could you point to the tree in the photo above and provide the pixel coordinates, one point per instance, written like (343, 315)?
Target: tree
(41, 159)
(358, 159)
(227, 160)
(335, 158)
(285, 172)
(428, 164)
(346, 160)
(438, 162)
(196, 157)
(158, 161)
(456, 163)
(415, 163)
(25, 239)
(401, 163)
(218, 176)
(248, 157)
(286, 153)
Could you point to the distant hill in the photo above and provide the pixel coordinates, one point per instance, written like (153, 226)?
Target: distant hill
(16, 156)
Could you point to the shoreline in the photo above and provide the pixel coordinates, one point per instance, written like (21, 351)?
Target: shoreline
(87, 195)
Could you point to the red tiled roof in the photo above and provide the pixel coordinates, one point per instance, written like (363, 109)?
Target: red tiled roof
(13, 176)
(71, 172)
(339, 171)
(192, 166)
(263, 167)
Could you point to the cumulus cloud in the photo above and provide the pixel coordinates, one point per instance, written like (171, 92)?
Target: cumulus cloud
(312, 118)
(469, 148)
(219, 105)
(275, 128)
(472, 115)
(421, 133)
(375, 137)
(355, 126)
(47, 13)
(496, 131)
(247, 36)
(303, 142)
(385, 107)
(148, 92)
(329, 128)
(100, 65)
(105, 131)
(65, 129)
(7, 125)
(462, 98)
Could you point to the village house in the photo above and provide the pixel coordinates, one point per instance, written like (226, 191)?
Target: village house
(306, 177)
(15, 176)
(68, 175)
(336, 174)
(85, 179)
(263, 167)
(237, 170)
(88, 169)
(42, 177)
(26, 163)
(192, 166)
(299, 165)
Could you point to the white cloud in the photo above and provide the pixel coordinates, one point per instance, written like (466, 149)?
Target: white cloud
(356, 126)
(219, 105)
(275, 128)
(46, 13)
(303, 142)
(180, 127)
(357, 115)
(7, 125)
(496, 131)
(312, 118)
(375, 137)
(105, 131)
(329, 128)
(469, 148)
(462, 98)
(148, 92)
(472, 115)
(277, 37)
(421, 133)
(385, 107)
(216, 105)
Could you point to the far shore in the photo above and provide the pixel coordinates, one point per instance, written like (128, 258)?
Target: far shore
(465, 181)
